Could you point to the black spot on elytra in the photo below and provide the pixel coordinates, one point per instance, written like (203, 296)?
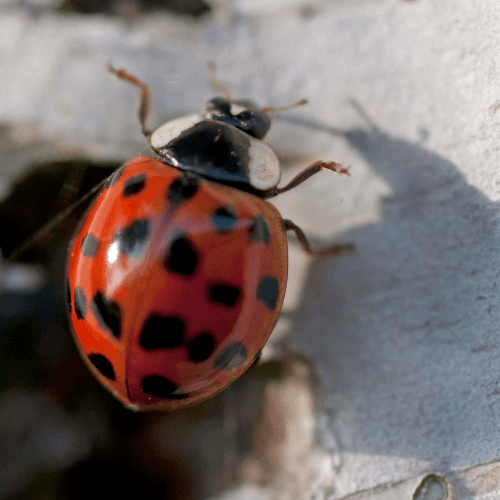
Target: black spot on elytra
(134, 185)
(224, 294)
(68, 296)
(160, 387)
(201, 347)
(231, 357)
(268, 291)
(134, 238)
(182, 188)
(112, 180)
(103, 365)
(224, 219)
(90, 245)
(161, 332)
(108, 313)
(80, 302)
(181, 256)
(259, 230)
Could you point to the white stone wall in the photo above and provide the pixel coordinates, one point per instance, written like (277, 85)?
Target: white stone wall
(403, 335)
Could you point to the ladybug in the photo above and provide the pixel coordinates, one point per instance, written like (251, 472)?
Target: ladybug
(177, 275)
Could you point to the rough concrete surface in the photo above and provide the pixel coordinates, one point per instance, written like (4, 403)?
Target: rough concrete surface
(402, 335)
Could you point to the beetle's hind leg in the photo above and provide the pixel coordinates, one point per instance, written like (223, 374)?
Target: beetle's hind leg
(315, 251)
(144, 93)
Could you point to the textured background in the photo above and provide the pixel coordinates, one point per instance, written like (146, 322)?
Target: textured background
(384, 366)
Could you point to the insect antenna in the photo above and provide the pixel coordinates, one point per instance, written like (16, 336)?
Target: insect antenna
(217, 85)
(272, 109)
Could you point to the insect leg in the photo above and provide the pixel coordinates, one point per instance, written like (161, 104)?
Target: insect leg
(309, 172)
(144, 91)
(315, 251)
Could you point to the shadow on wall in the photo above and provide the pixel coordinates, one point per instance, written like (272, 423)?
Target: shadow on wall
(404, 331)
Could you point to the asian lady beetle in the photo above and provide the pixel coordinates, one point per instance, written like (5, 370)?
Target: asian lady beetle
(177, 276)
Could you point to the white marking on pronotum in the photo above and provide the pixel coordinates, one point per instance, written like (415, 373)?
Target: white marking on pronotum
(264, 169)
(172, 129)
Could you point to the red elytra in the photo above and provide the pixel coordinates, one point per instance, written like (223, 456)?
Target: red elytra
(177, 276)
(206, 273)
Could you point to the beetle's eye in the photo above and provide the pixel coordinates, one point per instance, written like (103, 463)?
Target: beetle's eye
(240, 114)
(254, 122)
(246, 115)
(220, 105)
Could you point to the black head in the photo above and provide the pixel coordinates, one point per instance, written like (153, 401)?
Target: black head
(242, 114)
